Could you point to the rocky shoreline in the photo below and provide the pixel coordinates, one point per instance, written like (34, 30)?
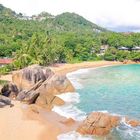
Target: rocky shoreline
(37, 87)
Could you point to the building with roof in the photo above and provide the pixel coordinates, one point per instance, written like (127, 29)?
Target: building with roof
(103, 49)
(136, 48)
(5, 61)
(123, 48)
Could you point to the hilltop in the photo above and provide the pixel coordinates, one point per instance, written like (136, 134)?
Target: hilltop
(63, 22)
(66, 29)
(46, 39)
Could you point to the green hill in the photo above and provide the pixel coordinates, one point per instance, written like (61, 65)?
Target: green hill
(6, 12)
(46, 39)
(17, 29)
(74, 22)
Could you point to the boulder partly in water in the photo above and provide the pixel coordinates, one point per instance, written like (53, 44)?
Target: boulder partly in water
(99, 124)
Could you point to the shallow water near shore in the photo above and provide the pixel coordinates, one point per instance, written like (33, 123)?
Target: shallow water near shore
(115, 89)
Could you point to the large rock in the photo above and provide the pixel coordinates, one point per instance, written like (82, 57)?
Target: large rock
(28, 97)
(4, 101)
(28, 77)
(9, 90)
(50, 88)
(44, 93)
(57, 84)
(99, 124)
(49, 101)
(40, 85)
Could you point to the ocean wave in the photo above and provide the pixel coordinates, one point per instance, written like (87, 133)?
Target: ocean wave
(77, 73)
(123, 131)
(127, 132)
(73, 136)
(70, 97)
(69, 110)
(75, 82)
(74, 77)
(80, 71)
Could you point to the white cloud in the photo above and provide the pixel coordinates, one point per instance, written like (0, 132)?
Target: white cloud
(108, 13)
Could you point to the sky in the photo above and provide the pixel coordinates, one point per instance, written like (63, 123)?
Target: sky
(117, 15)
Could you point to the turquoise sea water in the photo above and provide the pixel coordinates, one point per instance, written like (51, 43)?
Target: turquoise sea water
(115, 89)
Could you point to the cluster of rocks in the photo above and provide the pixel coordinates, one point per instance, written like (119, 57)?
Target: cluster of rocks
(4, 101)
(40, 85)
(100, 124)
(36, 84)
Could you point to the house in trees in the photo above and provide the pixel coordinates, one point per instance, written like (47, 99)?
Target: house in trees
(103, 49)
(123, 48)
(136, 48)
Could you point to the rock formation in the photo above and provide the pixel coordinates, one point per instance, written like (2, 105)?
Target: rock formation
(4, 101)
(27, 77)
(40, 85)
(99, 124)
(133, 123)
(52, 87)
(9, 90)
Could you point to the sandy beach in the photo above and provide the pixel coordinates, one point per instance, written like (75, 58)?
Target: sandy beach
(14, 127)
(66, 68)
(23, 122)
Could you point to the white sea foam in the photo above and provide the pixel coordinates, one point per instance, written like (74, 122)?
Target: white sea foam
(127, 132)
(69, 110)
(80, 71)
(75, 82)
(70, 97)
(73, 136)
(74, 77)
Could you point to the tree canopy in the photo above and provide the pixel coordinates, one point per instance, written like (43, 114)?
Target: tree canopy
(46, 39)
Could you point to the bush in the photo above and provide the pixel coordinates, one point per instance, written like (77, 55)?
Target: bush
(6, 69)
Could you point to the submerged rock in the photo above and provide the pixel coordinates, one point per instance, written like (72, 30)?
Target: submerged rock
(4, 101)
(133, 123)
(99, 124)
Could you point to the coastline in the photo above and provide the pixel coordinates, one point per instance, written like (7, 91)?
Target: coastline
(63, 69)
(42, 124)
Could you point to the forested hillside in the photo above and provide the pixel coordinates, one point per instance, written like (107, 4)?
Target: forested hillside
(46, 39)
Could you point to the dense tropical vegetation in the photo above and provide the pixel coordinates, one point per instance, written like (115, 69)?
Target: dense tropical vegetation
(46, 39)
